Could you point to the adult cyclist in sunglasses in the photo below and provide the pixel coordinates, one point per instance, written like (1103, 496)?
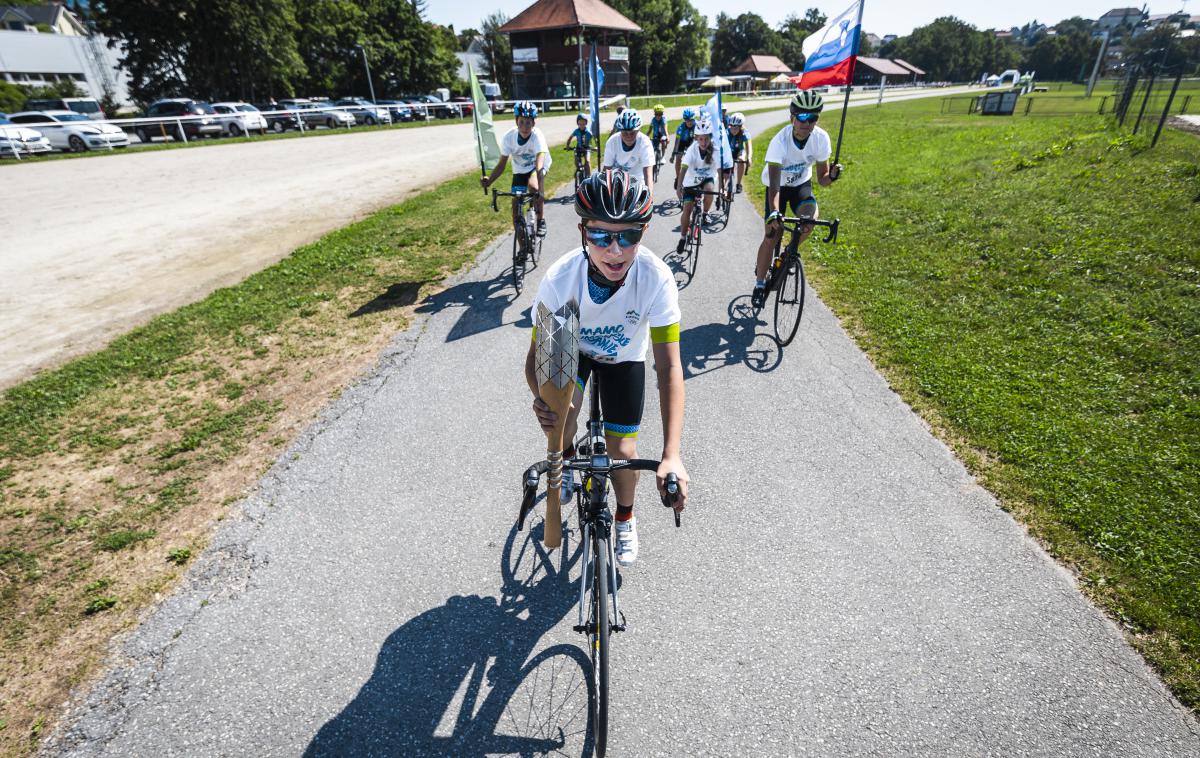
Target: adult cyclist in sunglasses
(787, 175)
(628, 305)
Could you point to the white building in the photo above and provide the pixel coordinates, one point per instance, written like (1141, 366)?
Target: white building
(44, 44)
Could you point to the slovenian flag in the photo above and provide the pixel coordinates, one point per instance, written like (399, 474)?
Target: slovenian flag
(830, 51)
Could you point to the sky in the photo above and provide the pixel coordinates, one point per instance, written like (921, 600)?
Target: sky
(879, 16)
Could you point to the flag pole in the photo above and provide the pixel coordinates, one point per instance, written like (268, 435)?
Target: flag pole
(475, 123)
(850, 83)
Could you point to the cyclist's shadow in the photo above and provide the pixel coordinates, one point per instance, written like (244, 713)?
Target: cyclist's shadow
(483, 304)
(455, 680)
(708, 347)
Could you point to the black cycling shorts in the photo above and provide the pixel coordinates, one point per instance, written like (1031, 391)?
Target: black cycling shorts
(622, 393)
(520, 182)
(691, 194)
(793, 198)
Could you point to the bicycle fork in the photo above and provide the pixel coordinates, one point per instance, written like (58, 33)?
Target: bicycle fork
(585, 584)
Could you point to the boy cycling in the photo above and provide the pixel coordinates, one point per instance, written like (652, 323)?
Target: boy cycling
(787, 176)
(583, 142)
(700, 164)
(526, 145)
(630, 150)
(659, 129)
(683, 139)
(628, 303)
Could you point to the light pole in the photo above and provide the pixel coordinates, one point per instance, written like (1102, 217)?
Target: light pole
(363, 50)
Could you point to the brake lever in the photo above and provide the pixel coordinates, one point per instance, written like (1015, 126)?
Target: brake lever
(833, 231)
(672, 487)
(495, 207)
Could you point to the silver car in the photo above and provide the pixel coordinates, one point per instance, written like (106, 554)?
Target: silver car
(68, 130)
(316, 114)
(365, 112)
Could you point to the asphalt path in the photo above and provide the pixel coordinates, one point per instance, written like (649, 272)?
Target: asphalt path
(840, 586)
(136, 235)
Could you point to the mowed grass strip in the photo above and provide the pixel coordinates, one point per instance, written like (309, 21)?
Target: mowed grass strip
(115, 467)
(1032, 287)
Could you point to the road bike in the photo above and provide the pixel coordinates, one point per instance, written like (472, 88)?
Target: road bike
(599, 611)
(725, 201)
(581, 169)
(659, 155)
(527, 245)
(691, 249)
(785, 276)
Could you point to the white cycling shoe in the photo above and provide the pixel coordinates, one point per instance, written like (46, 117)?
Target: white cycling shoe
(626, 548)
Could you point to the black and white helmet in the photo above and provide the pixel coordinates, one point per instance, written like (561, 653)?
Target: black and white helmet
(807, 101)
(614, 196)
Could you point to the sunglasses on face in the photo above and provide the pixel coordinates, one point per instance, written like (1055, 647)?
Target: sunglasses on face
(624, 237)
(807, 118)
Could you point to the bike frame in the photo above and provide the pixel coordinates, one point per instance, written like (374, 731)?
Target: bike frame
(523, 199)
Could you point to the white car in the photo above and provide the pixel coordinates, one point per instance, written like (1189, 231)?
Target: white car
(68, 130)
(15, 140)
(238, 119)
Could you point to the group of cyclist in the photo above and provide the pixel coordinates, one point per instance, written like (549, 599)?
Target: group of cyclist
(627, 296)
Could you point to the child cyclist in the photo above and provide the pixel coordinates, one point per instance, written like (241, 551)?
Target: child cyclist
(629, 149)
(583, 142)
(683, 139)
(787, 176)
(740, 145)
(527, 147)
(660, 128)
(628, 303)
(700, 165)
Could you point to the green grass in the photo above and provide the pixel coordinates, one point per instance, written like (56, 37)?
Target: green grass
(1031, 286)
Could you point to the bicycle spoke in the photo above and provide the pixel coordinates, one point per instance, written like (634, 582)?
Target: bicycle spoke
(789, 300)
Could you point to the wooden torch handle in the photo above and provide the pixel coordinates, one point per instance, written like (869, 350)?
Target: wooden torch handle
(559, 400)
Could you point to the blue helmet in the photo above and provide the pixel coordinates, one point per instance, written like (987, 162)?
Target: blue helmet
(525, 108)
(688, 113)
(628, 120)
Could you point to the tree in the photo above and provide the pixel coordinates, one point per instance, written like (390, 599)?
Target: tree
(1062, 57)
(673, 39)
(1074, 24)
(1160, 50)
(465, 38)
(952, 50)
(792, 32)
(206, 48)
(497, 52)
(737, 38)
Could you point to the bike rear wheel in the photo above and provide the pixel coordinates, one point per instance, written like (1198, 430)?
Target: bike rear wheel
(598, 637)
(789, 300)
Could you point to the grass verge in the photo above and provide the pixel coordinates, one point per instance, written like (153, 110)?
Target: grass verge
(1030, 286)
(114, 467)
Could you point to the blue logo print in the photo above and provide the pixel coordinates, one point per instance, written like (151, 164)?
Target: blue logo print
(605, 340)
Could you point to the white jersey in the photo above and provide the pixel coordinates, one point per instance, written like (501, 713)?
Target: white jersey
(795, 163)
(617, 330)
(699, 170)
(524, 156)
(633, 160)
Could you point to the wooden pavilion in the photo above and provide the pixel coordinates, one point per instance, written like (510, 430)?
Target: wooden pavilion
(552, 42)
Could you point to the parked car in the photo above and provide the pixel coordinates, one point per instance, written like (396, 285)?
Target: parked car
(319, 113)
(419, 108)
(436, 107)
(196, 118)
(16, 140)
(237, 118)
(398, 110)
(279, 118)
(364, 111)
(68, 130)
(465, 105)
(87, 106)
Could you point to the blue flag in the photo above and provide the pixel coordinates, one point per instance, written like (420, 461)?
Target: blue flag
(596, 81)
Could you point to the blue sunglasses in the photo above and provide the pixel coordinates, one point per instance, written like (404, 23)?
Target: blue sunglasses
(807, 118)
(624, 238)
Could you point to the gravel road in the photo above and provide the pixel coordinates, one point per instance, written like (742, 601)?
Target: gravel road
(840, 587)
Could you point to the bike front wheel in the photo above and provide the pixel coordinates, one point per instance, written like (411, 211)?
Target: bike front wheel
(789, 300)
(518, 262)
(598, 638)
